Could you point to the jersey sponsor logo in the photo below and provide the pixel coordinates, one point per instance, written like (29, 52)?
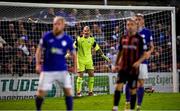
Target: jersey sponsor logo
(125, 40)
(63, 43)
(129, 47)
(135, 40)
(56, 51)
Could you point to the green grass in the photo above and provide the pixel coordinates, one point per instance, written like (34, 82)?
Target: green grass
(155, 101)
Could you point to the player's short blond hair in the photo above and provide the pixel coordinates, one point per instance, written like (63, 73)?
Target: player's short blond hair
(59, 18)
(131, 19)
(139, 15)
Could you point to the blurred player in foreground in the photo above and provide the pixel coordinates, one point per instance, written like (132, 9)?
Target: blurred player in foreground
(143, 68)
(54, 44)
(84, 45)
(128, 60)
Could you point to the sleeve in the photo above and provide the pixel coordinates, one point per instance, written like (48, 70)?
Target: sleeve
(95, 45)
(70, 45)
(42, 42)
(151, 37)
(120, 44)
(75, 44)
(141, 45)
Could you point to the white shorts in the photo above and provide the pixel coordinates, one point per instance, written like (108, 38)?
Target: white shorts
(143, 71)
(47, 78)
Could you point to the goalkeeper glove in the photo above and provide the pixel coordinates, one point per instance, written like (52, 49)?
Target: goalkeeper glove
(105, 57)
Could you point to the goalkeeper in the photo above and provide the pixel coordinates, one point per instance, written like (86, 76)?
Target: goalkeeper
(84, 45)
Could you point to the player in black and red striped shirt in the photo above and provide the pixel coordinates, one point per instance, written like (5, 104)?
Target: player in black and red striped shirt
(131, 54)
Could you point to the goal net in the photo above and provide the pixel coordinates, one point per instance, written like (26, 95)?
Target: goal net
(22, 25)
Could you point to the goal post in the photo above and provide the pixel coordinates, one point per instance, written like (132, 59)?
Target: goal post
(174, 53)
(23, 24)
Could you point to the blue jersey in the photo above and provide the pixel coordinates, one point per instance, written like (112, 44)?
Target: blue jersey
(147, 38)
(55, 49)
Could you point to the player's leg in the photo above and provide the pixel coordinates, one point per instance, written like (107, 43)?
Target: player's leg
(143, 74)
(91, 81)
(132, 82)
(39, 99)
(66, 80)
(133, 98)
(118, 89)
(68, 98)
(140, 92)
(117, 95)
(45, 83)
(90, 70)
(79, 81)
(128, 97)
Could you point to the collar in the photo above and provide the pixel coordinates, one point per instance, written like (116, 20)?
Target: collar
(140, 29)
(60, 36)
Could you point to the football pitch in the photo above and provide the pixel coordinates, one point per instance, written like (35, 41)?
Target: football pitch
(154, 101)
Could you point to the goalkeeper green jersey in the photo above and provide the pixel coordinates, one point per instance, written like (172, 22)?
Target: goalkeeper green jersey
(84, 48)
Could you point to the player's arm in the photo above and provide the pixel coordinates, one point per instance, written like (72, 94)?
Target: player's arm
(98, 50)
(74, 56)
(119, 53)
(151, 47)
(73, 53)
(39, 56)
(141, 52)
(75, 45)
(118, 57)
(150, 51)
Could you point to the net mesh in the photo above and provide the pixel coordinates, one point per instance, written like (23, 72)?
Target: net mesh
(22, 27)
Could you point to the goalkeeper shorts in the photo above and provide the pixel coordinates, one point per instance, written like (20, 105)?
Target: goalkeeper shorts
(82, 66)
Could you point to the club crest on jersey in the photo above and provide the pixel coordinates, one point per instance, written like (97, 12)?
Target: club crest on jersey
(142, 35)
(63, 43)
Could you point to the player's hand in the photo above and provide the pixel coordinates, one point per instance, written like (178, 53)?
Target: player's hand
(67, 56)
(115, 68)
(38, 68)
(136, 64)
(75, 70)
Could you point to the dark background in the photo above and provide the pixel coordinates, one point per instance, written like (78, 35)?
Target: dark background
(101, 2)
(175, 3)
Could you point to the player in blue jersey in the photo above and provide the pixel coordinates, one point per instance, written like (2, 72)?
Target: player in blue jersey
(143, 69)
(54, 45)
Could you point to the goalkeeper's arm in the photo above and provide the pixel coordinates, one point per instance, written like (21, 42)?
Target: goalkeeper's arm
(98, 50)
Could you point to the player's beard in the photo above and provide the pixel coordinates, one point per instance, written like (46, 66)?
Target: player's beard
(131, 32)
(57, 32)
